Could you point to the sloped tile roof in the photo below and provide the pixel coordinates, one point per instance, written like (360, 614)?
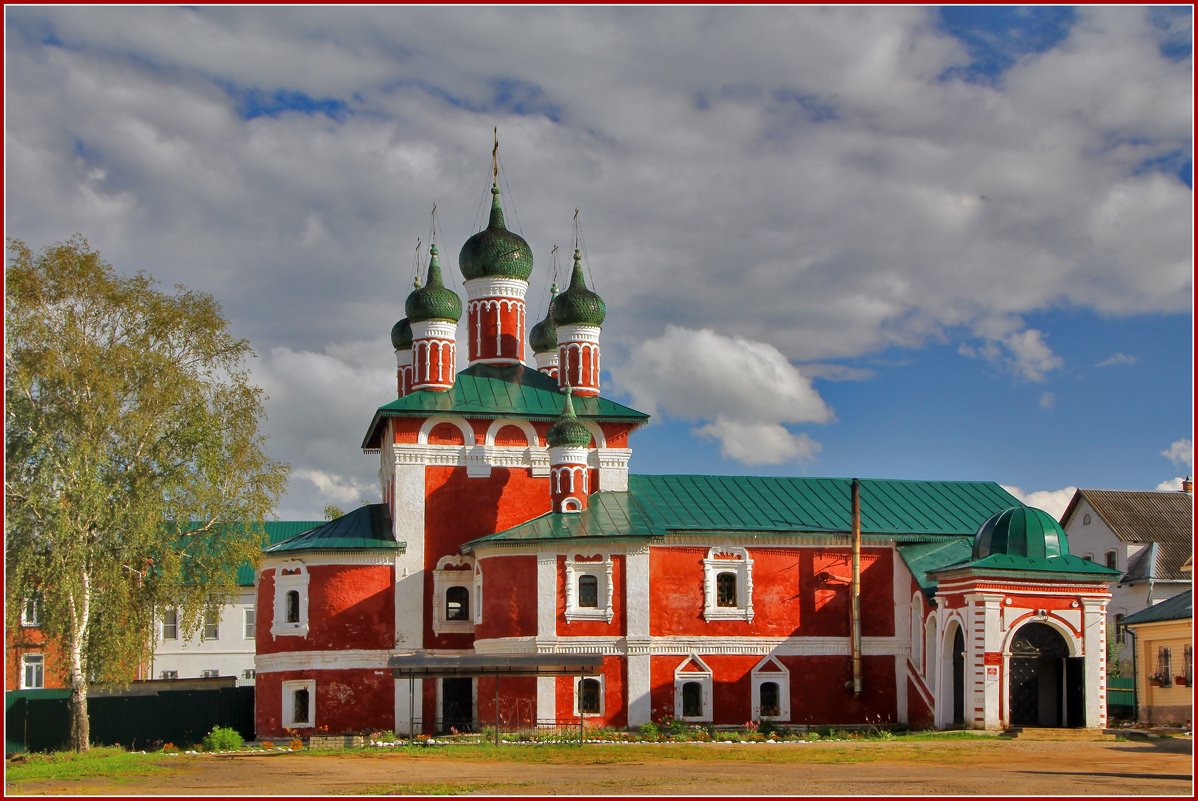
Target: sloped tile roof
(1165, 518)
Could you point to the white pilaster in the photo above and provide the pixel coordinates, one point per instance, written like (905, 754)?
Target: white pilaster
(546, 698)
(636, 605)
(546, 597)
(1094, 651)
(992, 687)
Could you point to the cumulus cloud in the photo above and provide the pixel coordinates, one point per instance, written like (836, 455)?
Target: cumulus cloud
(1180, 452)
(1117, 359)
(1023, 353)
(1048, 401)
(1052, 501)
(746, 392)
(1171, 485)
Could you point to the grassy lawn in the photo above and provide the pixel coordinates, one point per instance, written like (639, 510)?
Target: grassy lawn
(101, 761)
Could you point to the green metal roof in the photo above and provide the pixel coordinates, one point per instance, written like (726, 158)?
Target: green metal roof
(923, 557)
(365, 528)
(1179, 607)
(1021, 531)
(276, 531)
(656, 505)
(498, 390)
(1014, 563)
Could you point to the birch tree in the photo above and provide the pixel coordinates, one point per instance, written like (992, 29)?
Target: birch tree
(134, 460)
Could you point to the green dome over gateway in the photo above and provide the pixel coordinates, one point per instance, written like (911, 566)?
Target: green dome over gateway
(578, 305)
(401, 335)
(495, 252)
(568, 431)
(433, 301)
(543, 336)
(1021, 531)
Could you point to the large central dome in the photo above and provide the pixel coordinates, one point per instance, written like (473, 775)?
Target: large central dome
(495, 252)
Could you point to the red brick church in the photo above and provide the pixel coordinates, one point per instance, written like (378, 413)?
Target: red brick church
(515, 571)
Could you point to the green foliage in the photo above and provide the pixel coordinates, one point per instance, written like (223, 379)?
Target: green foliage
(133, 458)
(384, 737)
(650, 731)
(222, 738)
(110, 761)
(332, 511)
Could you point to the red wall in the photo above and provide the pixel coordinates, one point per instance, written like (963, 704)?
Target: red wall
(509, 597)
(21, 640)
(349, 606)
(615, 713)
(346, 701)
(796, 591)
(517, 700)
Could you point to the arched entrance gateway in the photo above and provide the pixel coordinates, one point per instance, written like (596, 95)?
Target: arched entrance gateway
(1023, 643)
(1046, 686)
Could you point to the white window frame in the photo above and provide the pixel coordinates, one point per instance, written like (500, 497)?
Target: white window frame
(297, 581)
(770, 669)
(703, 676)
(249, 623)
(37, 661)
(168, 675)
(174, 624)
(210, 673)
(728, 559)
(453, 571)
(211, 621)
(31, 612)
(478, 593)
(602, 695)
(289, 689)
(599, 566)
(249, 674)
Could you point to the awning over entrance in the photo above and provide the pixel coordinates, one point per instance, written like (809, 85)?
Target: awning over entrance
(429, 665)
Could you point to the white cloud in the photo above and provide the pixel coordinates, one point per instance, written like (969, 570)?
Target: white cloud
(1052, 501)
(1172, 485)
(339, 489)
(745, 390)
(1180, 452)
(1048, 401)
(1117, 359)
(1023, 353)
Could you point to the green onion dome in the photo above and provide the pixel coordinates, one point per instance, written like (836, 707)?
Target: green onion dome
(543, 336)
(568, 431)
(1021, 531)
(578, 305)
(495, 252)
(433, 301)
(401, 335)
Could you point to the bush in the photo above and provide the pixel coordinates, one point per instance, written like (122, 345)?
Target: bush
(650, 730)
(222, 738)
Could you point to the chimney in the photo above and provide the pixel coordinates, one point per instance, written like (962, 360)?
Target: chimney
(1187, 485)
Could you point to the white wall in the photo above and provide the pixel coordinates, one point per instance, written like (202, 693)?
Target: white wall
(231, 653)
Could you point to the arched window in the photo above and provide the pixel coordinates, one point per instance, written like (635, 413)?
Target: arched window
(725, 590)
(588, 592)
(588, 697)
(692, 699)
(457, 603)
(768, 700)
(293, 606)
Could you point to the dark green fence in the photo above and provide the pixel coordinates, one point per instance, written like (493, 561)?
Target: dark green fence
(38, 720)
(1121, 697)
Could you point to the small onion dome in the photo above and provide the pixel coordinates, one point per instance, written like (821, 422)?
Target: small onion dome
(433, 301)
(401, 335)
(543, 336)
(578, 305)
(1021, 531)
(495, 252)
(568, 431)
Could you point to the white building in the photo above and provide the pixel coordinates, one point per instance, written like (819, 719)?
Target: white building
(1146, 536)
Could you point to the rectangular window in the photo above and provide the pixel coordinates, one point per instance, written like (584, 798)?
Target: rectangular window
(169, 674)
(211, 673)
(1189, 673)
(1164, 666)
(588, 592)
(31, 613)
(589, 696)
(1111, 559)
(250, 626)
(249, 673)
(211, 626)
(34, 677)
(1119, 627)
(170, 624)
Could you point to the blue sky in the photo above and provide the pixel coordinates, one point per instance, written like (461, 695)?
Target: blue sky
(927, 243)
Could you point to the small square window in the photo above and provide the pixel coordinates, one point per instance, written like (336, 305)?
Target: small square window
(250, 625)
(34, 677)
(249, 673)
(211, 673)
(169, 674)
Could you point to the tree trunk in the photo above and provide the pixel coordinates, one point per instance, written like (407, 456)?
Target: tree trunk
(80, 725)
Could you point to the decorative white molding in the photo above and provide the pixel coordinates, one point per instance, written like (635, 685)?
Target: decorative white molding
(770, 670)
(334, 558)
(578, 680)
(702, 676)
(289, 690)
(728, 559)
(547, 360)
(530, 433)
(428, 425)
(291, 581)
(434, 329)
(444, 577)
(681, 646)
(341, 659)
(604, 585)
(480, 288)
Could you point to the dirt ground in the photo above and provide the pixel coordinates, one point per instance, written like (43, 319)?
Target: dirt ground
(975, 767)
